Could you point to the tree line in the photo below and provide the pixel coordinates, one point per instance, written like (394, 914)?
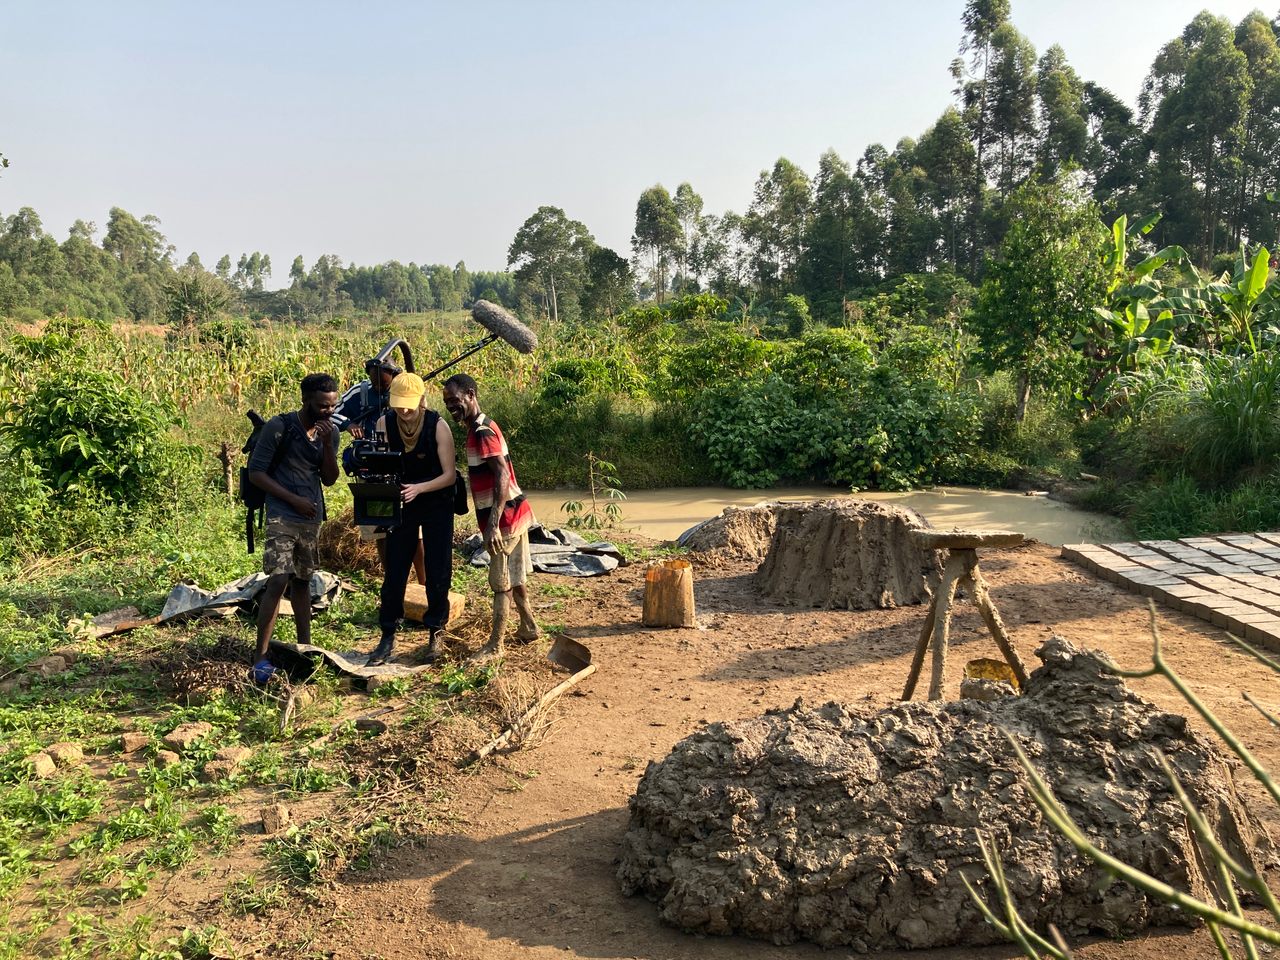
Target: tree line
(1195, 148)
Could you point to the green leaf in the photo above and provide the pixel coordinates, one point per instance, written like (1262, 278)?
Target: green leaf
(1256, 280)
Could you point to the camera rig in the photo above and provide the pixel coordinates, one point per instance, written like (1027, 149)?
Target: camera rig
(375, 469)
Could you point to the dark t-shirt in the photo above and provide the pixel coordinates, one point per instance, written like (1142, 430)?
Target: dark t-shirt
(298, 470)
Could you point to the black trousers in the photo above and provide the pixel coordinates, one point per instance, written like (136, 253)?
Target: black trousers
(433, 520)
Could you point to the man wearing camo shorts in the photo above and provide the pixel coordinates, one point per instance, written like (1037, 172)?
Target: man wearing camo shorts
(307, 442)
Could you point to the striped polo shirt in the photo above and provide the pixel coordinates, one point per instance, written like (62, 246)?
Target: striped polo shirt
(485, 440)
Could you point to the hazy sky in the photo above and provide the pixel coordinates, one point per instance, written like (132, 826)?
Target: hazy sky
(429, 132)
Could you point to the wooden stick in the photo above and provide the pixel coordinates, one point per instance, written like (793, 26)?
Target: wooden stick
(942, 622)
(228, 471)
(991, 615)
(543, 702)
(921, 646)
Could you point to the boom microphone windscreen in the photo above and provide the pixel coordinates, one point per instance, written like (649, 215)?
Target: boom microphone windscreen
(503, 323)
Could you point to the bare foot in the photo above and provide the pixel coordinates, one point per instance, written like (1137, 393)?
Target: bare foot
(487, 654)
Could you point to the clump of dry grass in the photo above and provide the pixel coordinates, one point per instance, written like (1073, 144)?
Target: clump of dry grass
(515, 694)
(341, 549)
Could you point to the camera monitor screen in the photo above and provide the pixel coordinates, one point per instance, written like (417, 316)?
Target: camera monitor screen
(376, 504)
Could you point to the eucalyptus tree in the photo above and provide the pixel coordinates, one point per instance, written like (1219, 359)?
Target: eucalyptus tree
(775, 224)
(1254, 214)
(1197, 130)
(549, 254)
(688, 206)
(658, 233)
(833, 264)
(947, 156)
(1064, 124)
(981, 19)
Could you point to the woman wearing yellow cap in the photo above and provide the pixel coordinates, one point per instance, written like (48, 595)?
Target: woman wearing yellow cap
(427, 491)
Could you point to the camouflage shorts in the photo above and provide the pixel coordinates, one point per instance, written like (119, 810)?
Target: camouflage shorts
(290, 547)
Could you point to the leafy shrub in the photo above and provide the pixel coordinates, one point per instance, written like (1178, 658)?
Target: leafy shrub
(87, 429)
(884, 430)
(724, 355)
(575, 378)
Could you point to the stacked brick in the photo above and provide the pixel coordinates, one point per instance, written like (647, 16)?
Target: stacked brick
(1232, 581)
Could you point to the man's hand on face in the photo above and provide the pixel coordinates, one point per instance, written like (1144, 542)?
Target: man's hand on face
(325, 431)
(304, 506)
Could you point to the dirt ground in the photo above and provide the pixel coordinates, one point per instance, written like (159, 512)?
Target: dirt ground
(526, 869)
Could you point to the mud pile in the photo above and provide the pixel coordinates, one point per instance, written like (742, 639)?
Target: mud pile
(855, 828)
(740, 533)
(846, 554)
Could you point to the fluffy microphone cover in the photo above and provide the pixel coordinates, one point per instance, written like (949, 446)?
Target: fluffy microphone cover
(503, 323)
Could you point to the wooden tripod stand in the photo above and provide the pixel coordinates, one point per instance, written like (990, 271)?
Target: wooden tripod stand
(960, 570)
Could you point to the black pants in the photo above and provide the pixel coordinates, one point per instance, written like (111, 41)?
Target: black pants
(434, 520)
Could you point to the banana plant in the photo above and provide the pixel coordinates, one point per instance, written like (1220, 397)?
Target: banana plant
(1141, 318)
(1246, 299)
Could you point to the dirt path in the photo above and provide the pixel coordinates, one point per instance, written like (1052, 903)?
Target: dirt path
(527, 871)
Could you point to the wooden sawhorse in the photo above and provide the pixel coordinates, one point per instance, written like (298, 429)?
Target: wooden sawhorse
(960, 570)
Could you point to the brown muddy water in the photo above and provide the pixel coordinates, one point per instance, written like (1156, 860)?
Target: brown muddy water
(666, 513)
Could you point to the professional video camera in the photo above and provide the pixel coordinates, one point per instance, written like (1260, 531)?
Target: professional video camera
(375, 485)
(374, 467)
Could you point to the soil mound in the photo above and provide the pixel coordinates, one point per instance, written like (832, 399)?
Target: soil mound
(340, 547)
(741, 533)
(855, 828)
(846, 554)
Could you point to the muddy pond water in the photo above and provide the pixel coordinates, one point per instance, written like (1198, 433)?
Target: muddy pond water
(666, 513)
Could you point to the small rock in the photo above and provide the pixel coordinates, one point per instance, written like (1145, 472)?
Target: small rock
(183, 736)
(370, 725)
(65, 753)
(275, 818)
(12, 685)
(225, 763)
(167, 758)
(69, 655)
(48, 666)
(133, 742)
(374, 683)
(236, 755)
(303, 697)
(979, 688)
(42, 765)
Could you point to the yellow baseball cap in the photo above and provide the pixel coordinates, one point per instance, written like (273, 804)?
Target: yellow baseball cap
(407, 391)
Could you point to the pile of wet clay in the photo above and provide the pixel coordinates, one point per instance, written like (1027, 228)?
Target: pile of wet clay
(739, 533)
(856, 828)
(846, 554)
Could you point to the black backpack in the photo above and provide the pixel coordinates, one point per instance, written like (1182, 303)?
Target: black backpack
(253, 496)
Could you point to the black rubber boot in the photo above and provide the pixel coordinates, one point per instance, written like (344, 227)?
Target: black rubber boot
(383, 651)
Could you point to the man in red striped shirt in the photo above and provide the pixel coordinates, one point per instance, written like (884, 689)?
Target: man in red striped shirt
(502, 512)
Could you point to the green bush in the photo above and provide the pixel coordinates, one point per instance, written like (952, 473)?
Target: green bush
(884, 430)
(88, 430)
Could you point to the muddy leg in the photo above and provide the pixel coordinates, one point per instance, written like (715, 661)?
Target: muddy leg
(941, 626)
(527, 631)
(501, 607)
(992, 617)
(921, 646)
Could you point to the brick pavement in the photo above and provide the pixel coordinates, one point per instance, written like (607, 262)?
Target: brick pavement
(1232, 581)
